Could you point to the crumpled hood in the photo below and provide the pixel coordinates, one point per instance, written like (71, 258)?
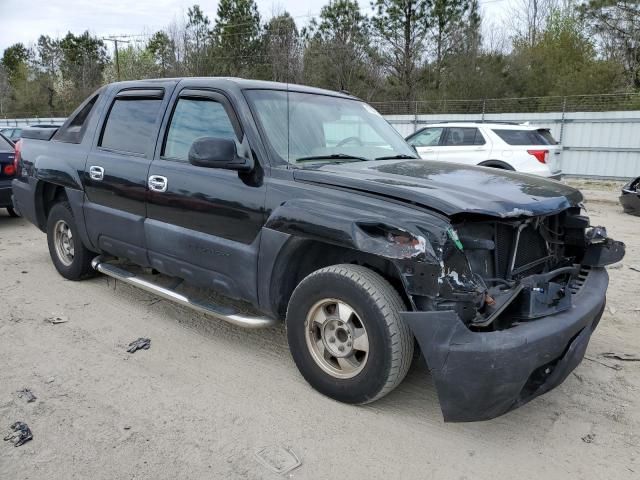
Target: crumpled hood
(449, 188)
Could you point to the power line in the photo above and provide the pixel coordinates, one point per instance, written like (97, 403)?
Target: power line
(115, 43)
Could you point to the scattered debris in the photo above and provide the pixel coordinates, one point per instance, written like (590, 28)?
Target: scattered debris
(615, 266)
(634, 267)
(21, 434)
(612, 310)
(139, 344)
(24, 271)
(55, 319)
(27, 395)
(589, 438)
(625, 357)
(127, 427)
(280, 460)
(50, 380)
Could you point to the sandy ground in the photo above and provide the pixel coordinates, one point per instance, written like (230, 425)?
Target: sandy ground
(207, 395)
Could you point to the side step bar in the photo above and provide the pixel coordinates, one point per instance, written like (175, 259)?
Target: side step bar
(223, 313)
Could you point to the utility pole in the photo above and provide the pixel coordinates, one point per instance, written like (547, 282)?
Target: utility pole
(115, 45)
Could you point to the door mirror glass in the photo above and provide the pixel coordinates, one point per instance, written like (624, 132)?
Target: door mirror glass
(214, 152)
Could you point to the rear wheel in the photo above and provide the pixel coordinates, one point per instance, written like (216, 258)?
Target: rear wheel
(70, 257)
(12, 212)
(346, 335)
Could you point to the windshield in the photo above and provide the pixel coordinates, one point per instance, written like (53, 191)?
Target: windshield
(319, 128)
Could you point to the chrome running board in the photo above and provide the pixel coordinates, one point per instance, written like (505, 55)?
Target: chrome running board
(227, 314)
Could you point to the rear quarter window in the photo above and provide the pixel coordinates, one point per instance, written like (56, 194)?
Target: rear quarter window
(73, 130)
(526, 137)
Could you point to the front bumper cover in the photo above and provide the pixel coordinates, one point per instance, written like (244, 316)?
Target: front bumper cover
(482, 375)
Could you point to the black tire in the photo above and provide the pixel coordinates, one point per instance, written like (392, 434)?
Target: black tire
(80, 265)
(376, 305)
(12, 212)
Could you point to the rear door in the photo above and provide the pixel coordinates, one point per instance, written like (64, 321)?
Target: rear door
(117, 167)
(427, 142)
(464, 145)
(203, 224)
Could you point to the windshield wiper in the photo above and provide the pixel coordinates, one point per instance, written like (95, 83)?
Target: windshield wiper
(400, 156)
(334, 156)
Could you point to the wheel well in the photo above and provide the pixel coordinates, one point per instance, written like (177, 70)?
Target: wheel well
(303, 257)
(47, 195)
(496, 164)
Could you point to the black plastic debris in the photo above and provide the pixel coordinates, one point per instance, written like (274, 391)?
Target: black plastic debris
(589, 438)
(624, 357)
(139, 344)
(630, 198)
(20, 434)
(27, 395)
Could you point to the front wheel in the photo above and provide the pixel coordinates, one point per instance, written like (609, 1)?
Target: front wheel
(346, 335)
(69, 255)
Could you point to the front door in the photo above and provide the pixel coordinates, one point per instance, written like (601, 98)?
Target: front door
(426, 142)
(115, 176)
(203, 224)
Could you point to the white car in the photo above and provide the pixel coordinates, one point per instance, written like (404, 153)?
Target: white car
(509, 146)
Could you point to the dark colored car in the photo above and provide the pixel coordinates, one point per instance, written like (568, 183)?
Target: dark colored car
(307, 206)
(630, 198)
(7, 173)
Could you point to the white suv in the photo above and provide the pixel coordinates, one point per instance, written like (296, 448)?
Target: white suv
(508, 146)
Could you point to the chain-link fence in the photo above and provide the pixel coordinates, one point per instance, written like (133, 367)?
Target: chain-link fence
(570, 103)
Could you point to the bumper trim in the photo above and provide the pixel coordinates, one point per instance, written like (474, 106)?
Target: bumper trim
(482, 375)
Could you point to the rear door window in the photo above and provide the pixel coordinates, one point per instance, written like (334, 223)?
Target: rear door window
(526, 137)
(429, 137)
(463, 136)
(130, 126)
(195, 118)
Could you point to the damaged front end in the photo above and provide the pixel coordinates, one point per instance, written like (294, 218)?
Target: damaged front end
(508, 311)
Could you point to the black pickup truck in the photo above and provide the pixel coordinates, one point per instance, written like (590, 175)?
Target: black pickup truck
(307, 206)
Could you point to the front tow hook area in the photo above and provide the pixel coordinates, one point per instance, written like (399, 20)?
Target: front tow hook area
(482, 375)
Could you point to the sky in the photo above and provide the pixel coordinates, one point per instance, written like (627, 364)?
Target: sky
(25, 20)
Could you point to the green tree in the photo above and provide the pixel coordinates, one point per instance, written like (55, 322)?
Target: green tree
(15, 57)
(163, 51)
(563, 61)
(616, 26)
(236, 37)
(283, 48)
(402, 26)
(337, 54)
(47, 67)
(197, 41)
(84, 59)
(446, 18)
